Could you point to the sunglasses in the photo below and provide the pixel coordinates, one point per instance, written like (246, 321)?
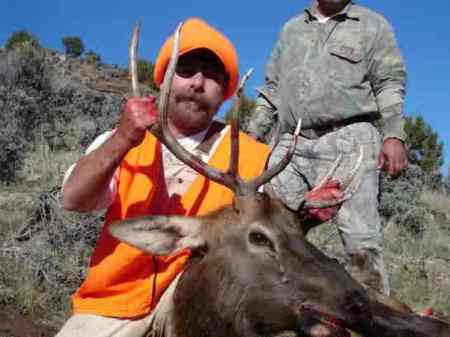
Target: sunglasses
(204, 62)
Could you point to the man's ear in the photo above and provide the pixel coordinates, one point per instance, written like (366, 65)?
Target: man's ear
(160, 235)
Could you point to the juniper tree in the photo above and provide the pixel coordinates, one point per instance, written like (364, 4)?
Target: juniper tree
(20, 38)
(246, 110)
(73, 45)
(425, 148)
(145, 72)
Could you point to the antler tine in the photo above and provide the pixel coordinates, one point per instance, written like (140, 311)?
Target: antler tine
(132, 51)
(351, 176)
(168, 79)
(274, 170)
(170, 141)
(330, 173)
(235, 126)
(349, 184)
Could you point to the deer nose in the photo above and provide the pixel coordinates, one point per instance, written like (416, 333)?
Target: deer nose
(358, 306)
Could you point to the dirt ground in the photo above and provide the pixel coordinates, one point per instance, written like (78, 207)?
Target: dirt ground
(15, 324)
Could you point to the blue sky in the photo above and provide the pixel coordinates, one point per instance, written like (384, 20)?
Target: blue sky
(422, 30)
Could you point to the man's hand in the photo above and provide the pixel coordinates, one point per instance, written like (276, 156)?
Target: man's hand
(139, 113)
(330, 191)
(93, 172)
(393, 158)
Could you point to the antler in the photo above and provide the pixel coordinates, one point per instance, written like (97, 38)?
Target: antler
(349, 184)
(229, 178)
(235, 126)
(133, 63)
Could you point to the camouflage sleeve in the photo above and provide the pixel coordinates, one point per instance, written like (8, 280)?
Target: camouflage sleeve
(388, 78)
(264, 117)
(262, 120)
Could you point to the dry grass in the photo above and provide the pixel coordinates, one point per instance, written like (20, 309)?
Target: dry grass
(420, 268)
(425, 279)
(45, 168)
(437, 202)
(44, 251)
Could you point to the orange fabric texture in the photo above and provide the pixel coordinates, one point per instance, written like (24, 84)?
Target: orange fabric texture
(197, 34)
(120, 278)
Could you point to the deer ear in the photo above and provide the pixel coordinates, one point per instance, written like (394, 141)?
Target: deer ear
(160, 235)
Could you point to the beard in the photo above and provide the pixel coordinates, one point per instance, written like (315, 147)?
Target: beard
(190, 104)
(190, 112)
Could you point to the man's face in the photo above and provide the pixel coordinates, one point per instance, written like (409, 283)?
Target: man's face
(330, 7)
(198, 90)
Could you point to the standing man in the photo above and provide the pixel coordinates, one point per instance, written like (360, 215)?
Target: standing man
(338, 67)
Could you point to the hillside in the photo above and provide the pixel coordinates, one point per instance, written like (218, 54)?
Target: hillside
(52, 106)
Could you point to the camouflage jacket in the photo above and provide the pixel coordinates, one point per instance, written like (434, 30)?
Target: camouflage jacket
(327, 73)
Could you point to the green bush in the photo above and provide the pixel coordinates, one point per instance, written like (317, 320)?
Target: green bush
(20, 38)
(21, 75)
(73, 45)
(23, 67)
(92, 57)
(246, 111)
(12, 145)
(399, 201)
(145, 73)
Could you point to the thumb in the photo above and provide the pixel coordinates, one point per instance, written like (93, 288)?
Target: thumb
(332, 183)
(381, 160)
(152, 108)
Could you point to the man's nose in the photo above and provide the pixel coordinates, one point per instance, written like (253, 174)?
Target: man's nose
(197, 80)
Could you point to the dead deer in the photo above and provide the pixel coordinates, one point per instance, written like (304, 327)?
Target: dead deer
(252, 271)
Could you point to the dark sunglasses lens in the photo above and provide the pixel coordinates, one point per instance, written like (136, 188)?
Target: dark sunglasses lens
(185, 70)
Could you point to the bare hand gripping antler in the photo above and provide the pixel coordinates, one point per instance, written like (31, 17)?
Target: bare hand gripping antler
(230, 178)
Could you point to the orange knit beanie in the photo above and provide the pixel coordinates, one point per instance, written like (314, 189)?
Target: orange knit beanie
(196, 34)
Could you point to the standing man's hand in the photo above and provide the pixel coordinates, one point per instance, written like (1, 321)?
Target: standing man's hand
(393, 158)
(139, 113)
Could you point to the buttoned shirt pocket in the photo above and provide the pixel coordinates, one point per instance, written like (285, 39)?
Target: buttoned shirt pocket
(347, 64)
(346, 51)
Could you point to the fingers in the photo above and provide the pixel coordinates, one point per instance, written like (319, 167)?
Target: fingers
(138, 114)
(396, 166)
(403, 162)
(392, 168)
(150, 107)
(323, 214)
(330, 190)
(393, 158)
(141, 112)
(336, 194)
(332, 183)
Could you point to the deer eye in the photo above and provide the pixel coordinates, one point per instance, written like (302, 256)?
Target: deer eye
(260, 239)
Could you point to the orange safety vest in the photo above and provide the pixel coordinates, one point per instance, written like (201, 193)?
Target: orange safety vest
(121, 278)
